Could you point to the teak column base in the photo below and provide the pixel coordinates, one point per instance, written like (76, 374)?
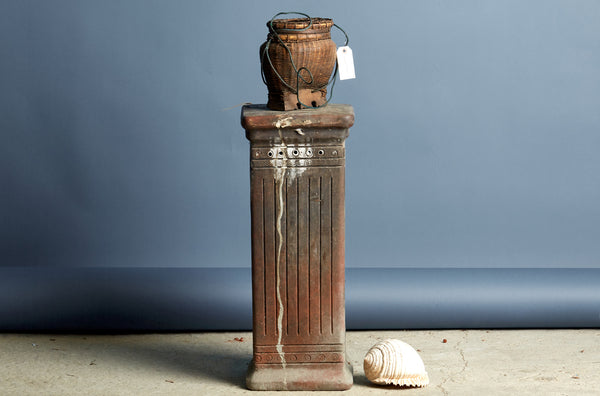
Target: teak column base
(307, 377)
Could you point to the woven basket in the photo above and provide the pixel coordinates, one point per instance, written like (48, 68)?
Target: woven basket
(313, 53)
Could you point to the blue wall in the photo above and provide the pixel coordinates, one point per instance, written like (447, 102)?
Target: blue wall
(475, 144)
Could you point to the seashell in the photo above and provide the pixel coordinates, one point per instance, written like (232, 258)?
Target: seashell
(395, 362)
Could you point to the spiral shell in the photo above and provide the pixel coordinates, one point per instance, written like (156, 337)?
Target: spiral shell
(395, 362)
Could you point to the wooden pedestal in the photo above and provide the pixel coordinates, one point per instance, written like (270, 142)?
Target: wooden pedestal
(297, 163)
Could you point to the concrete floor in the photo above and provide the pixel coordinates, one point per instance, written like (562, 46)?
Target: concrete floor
(472, 362)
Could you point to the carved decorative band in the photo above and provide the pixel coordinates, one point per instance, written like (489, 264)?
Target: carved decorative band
(300, 357)
(297, 152)
(296, 163)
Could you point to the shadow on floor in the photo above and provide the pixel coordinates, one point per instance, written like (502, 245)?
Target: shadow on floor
(360, 379)
(225, 363)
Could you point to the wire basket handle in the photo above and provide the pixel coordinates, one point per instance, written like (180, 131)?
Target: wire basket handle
(298, 71)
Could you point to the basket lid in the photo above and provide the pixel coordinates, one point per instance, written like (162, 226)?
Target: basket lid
(297, 24)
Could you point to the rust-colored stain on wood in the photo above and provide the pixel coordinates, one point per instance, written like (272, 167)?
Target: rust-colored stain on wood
(297, 164)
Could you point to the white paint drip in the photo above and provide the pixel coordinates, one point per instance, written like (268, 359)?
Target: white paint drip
(281, 170)
(280, 178)
(283, 122)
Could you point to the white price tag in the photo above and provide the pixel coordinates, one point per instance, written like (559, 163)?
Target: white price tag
(345, 63)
